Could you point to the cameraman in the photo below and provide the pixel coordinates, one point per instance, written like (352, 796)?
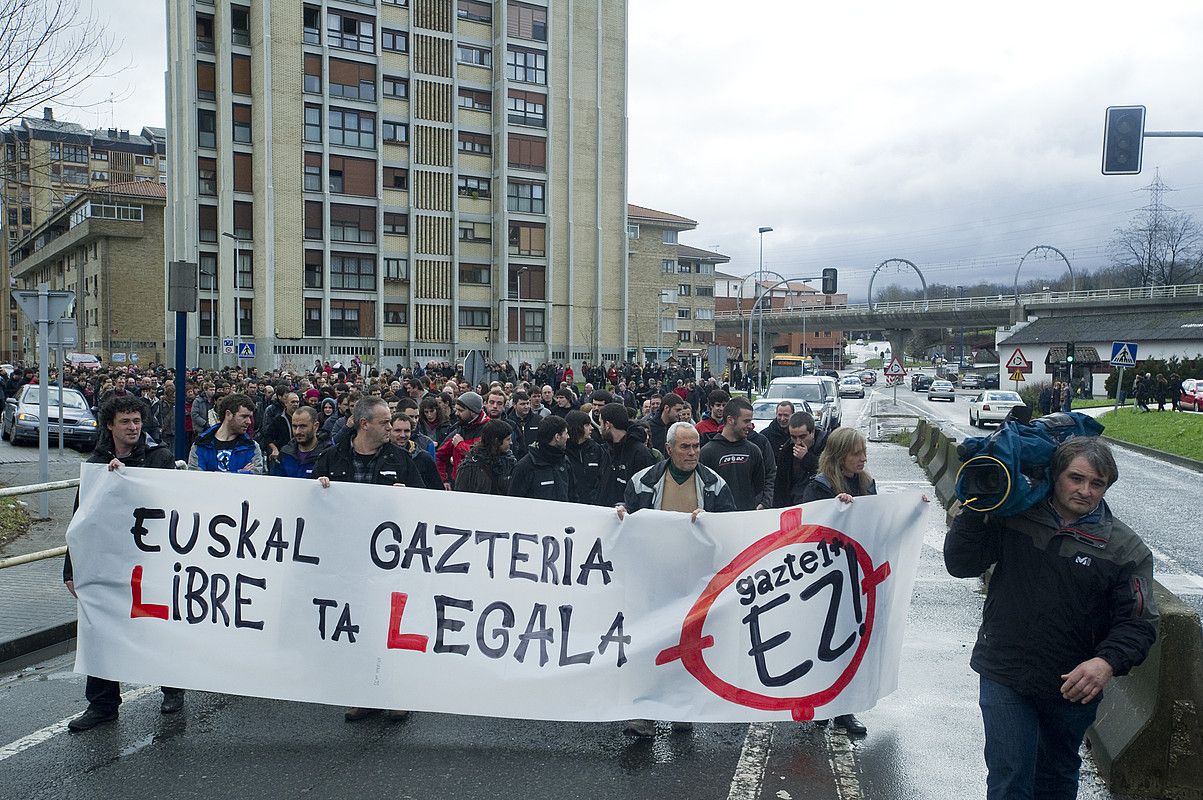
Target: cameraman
(1069, 606)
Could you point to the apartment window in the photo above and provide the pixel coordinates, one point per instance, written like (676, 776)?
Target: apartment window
(528, 66)
(352, 272)
(527, 108)
(396, 132)
(240, 25)
(100, 155)
(395, 314)
(311, 22)
(396, 269)
(206, 309)
(351, 318)
(684, 289)
(97, 175)
(206, 128)
(204, 33)
(242, 123)
(206, 81)
(705, 291)
(313, 269)
(27, 215)
(474, 10)
(684, 267)
(244, 222)
(394, 41)
(527, 239)
(668, 237)
(207, 223)
(246, 268)
(314, 226)
(479, 143)
(525, 197)
(351, 80)
(313, 73)
(244, 180)
(396, 224)
(352, 128)
(632, 231)
(703, 336)
(668, 296)
(475, 232)
(475, 99)
(682, 313)
(313, 172)
(668, 266)
(313, 124)
(532, 325)
(240, 74)
(527, 22)
(355, 176)
(313, 317)
(703, 313)
(396, 87)
(470, 186)
(532, 280)
(474, 56)
(527, 152)
(207, 267)
(668, 324)
(706, 269)
(476, 274)
(350, 32)
(682, 336)
(396, 178)
(474, 318)
(206, 176)
(352, 224)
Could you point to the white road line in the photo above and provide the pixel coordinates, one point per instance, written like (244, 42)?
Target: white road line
(753, 756)
(50, 731)
(842, 757)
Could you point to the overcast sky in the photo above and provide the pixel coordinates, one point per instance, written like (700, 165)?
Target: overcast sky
(940, 132)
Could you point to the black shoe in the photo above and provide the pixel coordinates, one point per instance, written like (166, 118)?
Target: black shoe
(357, 713)
(852, 725)
(90, 719)
(173, 701)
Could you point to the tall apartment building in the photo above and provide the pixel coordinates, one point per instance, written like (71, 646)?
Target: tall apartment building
(671, 295)
(400, 179)
(46, 164)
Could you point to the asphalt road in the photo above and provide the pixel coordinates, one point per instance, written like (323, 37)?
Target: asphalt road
(924, 740)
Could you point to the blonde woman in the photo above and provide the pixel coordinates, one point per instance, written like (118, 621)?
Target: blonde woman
(841, 469)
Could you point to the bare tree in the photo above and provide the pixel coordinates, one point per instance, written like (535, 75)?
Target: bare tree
(1159, 249)
(48, 50)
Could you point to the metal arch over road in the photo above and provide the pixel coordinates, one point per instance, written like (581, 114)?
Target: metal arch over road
(1044, 248)
(910, 264)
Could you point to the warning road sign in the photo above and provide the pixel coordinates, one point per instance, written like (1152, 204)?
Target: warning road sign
(1017, 376)
(895, 368)
(1018, 362)
(1123, 354)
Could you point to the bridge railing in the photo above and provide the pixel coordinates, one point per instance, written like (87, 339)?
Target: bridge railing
(990, 301)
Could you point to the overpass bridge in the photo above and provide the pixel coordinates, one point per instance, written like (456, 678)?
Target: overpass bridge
(899, 318)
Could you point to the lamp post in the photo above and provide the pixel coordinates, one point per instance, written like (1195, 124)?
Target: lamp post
(661, 302)
(518, 301)
(961, 346)
(237, 244)
(760, 330)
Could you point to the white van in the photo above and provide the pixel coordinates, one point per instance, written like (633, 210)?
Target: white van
(820, 391)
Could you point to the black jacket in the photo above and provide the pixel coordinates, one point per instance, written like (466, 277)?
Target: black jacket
(646, 489)
(626, 459)
(543, 474)
(793, 475)
(776, 434)
(657, 432)
(391, 465)
(819, 488)
(590, 465)
(152, 456)
(741, 465)
(526, 432)
(424, 461)
(1058, 595)
(478, 475)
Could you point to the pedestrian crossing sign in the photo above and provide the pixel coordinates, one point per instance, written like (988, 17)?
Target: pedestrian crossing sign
(1123, 354)
(895, 368)
(246, 350)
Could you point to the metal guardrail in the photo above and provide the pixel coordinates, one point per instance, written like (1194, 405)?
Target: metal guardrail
(992, 301)
(36, 488)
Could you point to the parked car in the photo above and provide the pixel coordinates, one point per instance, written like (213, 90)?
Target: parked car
(765, 411)
(971, 381)
(920, 381)
(852, 387)
(20, 422)
(992, 407)
(1190, 398)
(942, 390)
(817, 390)
(868, 377)
(990, 381)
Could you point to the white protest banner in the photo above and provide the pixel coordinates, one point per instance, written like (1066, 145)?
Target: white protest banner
(389, 597)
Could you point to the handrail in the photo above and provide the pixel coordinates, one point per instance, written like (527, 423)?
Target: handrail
(35, 488)
(29, 558)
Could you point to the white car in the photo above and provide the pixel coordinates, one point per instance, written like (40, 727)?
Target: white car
(992, 406)
(852, 386)
(942, 390)
(765, 411)
(817, 390)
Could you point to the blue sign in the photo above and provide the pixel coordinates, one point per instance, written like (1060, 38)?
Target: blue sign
(1123, 354)
(246, 350)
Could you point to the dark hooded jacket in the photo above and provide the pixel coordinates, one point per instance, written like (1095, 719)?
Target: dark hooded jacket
(590, 465)
(543, 474)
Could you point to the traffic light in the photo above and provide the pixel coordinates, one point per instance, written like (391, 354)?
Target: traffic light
(829, 277)
(1123, 140)
(1069, 353)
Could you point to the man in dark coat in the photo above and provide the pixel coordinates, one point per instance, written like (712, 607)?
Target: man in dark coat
(543, 473)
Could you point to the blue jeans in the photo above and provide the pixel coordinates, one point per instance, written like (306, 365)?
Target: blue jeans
(1032, 743)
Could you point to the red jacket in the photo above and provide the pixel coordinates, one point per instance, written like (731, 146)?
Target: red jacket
(449, 455)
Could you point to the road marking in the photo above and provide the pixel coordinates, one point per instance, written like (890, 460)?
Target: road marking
(50, 731)
(753, 756)
(842, 757)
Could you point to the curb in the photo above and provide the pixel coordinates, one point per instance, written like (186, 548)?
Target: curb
(1161, 455)
(35, 640)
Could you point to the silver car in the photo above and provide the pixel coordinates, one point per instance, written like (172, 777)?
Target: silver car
(765, 411)
(817, 390)
(20, 422)
(942, 390)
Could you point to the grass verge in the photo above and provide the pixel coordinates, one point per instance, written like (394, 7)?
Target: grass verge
(903, 437)
(1170, 432)
(14, 519)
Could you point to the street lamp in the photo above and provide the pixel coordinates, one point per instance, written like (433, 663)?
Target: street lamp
(760, 331)
(961, 316)
(237, 243)
(518, 298)
(662, 301)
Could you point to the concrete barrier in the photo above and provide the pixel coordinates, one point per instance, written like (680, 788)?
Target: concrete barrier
(939, 459)
(1148, 737)
(919, 436)
(928, 450)
(946, 483)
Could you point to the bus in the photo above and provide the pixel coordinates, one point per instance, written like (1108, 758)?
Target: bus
(784, 366)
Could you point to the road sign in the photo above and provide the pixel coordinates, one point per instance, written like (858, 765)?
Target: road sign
(117, 358)
(227, 346)
(1017, 376)
(893, 380)
(57, 303)
(1018, 362)
(1123, 354)
(895, 368)
(246, 350)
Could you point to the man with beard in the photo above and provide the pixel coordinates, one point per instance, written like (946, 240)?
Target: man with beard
(627, 456)
(739, 461)
(297, 458)
(543, 473)
(469, 409)
(226, 446)
(402, 431)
